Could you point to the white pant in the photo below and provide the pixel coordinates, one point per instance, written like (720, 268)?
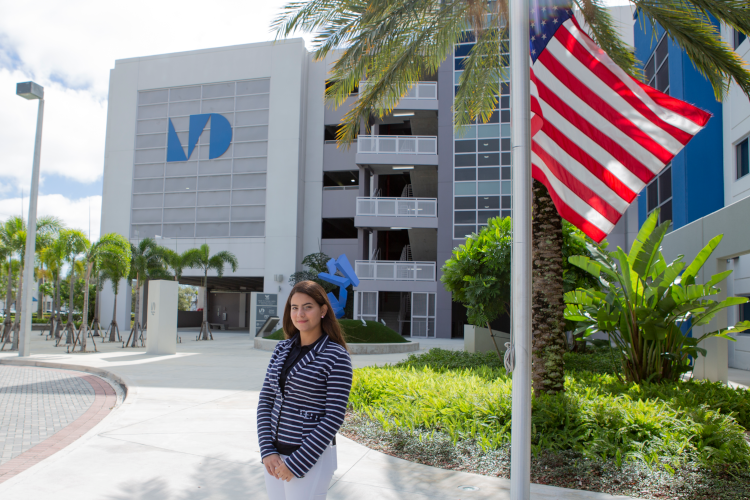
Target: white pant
(314, 486)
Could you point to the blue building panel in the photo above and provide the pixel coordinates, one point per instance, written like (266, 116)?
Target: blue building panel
(697, 171)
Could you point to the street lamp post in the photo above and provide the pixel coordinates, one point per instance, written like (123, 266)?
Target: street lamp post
(31, 91)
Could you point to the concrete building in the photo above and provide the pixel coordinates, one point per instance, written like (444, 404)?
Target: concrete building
(235, 147)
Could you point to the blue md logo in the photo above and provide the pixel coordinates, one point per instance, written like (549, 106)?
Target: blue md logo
(221, 137)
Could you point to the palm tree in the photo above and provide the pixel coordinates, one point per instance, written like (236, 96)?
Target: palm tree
(13, 234)
(115, 270)
(392, 43)
(52, 259)
(112, 247)
(147, 262)
(74, 243)
(177, 261)
(201, 258)
(7, 253)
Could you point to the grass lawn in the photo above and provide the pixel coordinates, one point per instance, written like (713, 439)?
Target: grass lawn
(683, 440)
(357, 333)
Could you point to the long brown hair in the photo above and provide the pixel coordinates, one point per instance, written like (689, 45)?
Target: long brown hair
(329, 324)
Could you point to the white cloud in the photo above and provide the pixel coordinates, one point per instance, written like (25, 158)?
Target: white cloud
(72, 138)
(74, 213)
(70, 47)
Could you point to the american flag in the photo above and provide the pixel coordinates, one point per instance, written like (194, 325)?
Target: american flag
(598, 135)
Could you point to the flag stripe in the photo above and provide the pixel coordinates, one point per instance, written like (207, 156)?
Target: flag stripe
(575, 184)
(563, 196)
(636, 159)
(597, 152)
(614, 91)
(595, 170)
(568, 213)
(602, 108)
(687, 119)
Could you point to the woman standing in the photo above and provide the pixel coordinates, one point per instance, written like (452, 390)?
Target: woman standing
(304, 397)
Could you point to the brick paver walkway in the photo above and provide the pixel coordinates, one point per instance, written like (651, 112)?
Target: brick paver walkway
(43, 410)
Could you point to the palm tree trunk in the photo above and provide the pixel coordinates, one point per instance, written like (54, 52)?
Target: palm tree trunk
(136, 323)
(70, 326)
(8, 299)
(58, 305)
(19, 311)
(95, 327)
(39, 299)
(549, 342)
(83, 333)
(205, 329)
(113, 327)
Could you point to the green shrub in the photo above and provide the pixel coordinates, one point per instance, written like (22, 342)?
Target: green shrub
(599, 416)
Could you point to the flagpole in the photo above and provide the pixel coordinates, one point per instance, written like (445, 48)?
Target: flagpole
(520, 273)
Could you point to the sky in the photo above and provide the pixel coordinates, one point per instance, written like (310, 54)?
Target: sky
(69, 48)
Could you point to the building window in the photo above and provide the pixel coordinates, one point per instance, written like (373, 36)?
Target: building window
(744, 311)
(743, 158)
(739, 37)
(659, 194)
(341, 179)
(657, 68)
(339, 228)
(481, 161)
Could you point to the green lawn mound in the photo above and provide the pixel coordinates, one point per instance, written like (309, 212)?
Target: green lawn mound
(357, 333)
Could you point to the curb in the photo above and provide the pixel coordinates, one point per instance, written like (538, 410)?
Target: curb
(65, 366)
(389, 348)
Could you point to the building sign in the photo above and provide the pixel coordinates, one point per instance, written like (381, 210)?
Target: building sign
(221, 137)
(262, 307)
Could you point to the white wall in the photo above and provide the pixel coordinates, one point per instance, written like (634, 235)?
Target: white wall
(736, 122)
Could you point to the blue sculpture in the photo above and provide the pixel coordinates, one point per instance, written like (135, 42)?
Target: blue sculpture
(343, 266)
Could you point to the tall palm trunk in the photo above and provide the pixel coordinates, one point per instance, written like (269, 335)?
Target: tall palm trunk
(548, 326)
(83, 332)
(40, 298)
(58, 305)
(7, 326)
(206, 333)
(19, 311)
(136, 324)
(95, 326)
(70, 326)
(114, 330)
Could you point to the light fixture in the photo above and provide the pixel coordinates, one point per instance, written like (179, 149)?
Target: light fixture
(404, 167)
(399, 228)
(352, 180)
(407, 113)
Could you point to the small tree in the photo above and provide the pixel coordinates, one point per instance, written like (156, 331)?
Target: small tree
(646, 303)
(478, 274)
(112, 247)
(74, 244)
(115, 270)
(147, 260)
(178, 262)
(201, 258)
(315, 263)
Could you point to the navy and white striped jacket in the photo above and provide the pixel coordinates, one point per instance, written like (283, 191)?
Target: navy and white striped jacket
(313, 405)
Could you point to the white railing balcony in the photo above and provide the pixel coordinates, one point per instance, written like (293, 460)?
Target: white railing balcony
(397, 207)
(397, 144)
(419, 91)
(395, 270)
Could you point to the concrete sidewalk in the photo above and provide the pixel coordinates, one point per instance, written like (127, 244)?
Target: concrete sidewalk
(186, 430)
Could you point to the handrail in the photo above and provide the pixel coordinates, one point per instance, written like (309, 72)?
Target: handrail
(395, 270)
(397, 144)
(396, 207)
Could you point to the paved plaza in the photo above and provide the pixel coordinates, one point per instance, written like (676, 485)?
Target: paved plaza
(186, 430)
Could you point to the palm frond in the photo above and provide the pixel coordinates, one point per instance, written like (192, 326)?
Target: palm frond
(603, 30)
(693, 31)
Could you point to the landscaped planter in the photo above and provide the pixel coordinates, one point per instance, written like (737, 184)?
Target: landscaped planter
(270, 345)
